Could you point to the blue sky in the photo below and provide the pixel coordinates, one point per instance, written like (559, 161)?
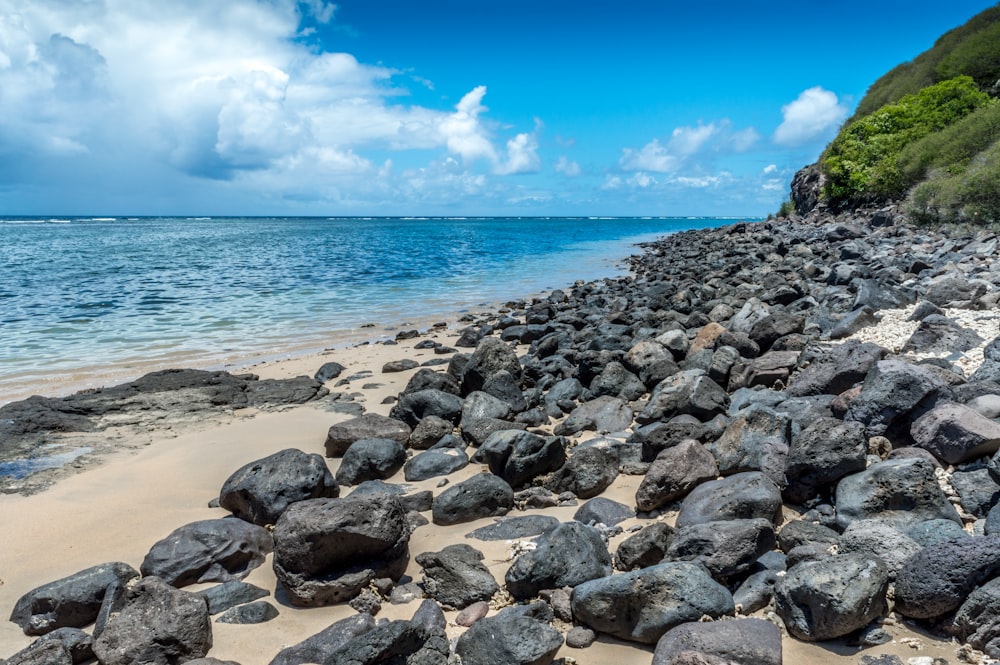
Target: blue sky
(433, 107)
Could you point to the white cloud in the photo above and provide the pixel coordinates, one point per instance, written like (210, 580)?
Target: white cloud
(773, 186)
(567, 167)
(770, 168)
(814, 113)
(222, 91)
(689, 145)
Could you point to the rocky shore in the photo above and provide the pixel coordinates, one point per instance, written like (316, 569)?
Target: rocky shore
(805, 414)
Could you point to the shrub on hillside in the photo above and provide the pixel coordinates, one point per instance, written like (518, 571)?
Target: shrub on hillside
(953, 147)
(970, 195)
(861, 164)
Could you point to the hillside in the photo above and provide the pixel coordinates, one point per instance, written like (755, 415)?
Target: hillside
(926, 135)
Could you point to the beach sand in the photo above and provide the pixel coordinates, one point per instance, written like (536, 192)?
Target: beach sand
(116, 509)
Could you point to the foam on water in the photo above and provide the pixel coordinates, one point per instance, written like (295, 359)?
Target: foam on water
(83, 293)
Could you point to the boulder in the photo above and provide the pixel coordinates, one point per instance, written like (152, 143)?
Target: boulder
(740, 496)
(515, 528)
(216, 550)
(434, 463)
(687, 392)
(63, 646)
(642, 605)
(414, 407)
(230, 594)
(955, 433)
(588, 472)
(836, 368)
(319, 647)
(518, 456)
(644, 548)
(371, 459)
(604, 414)
(368, 426)
(602, 510)
(256, 612)
(892, 391)
(491, 356)
(977, 491)
(727, 548)
(674, 473)
(488, 641)
(756, 592)
(158, 625)
(482, 495)
(755, 440)
(878, 539)
(73, 601)
(806, 532)
(977, 621)
(939, 334)
(328, 371)
(616, 381)
(569, 555)
(831, 597)
(651, 361)
(479, 404)
(420, 641)
(456, 576)
(740, 642)
(327, 550)
(938, 578)
(260, 491)
(902, 491)
(429, 431)
(821, 454)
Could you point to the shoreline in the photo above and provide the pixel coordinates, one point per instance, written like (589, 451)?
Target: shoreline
(150, 480)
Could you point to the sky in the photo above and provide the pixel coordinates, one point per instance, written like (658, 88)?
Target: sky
(434, 107)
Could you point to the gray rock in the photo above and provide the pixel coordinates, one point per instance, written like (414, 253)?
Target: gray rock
(429, 431)
(518, 456)
(616, 381)
(480, 430)
(327, 550)
(230, 594)
(427, 379)
(756, 591)
(604, 414)
(329, 371)
(482, 495)
(955, 433)
(642, 605)
(216, 550)
(579, 637)
(932, 532)
(515, 528)
(651, 361)
(854, 321)
(260, 491)
(371, 459)
(755, 440)
(72, 601)
(491, 356)
(569, 555)
(319, 647)
(434, 463)
(821, 454)
(488, 641)
(977, 491)
(892, 390)
(601, 510)
(480, 404)
(369, 426)
(805, 532)
(937, 579)
(456, 576)
(645, 548)
(901, 491)
(421, 641)
(588, 472)
(875, 538)
(63, 646)
(687, 392)
(674, 473)
(565, 392)
(741, 642)
(740, 496)
(472, 614)
(939, 334)
(401, 365)
(414, 407)
(505, 387)
(829, 598)
(727, 548)
(158, 625)
(977, 620)
(834, 369)
(260, 611)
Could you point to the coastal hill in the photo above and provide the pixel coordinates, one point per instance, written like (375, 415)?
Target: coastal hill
(926, 136)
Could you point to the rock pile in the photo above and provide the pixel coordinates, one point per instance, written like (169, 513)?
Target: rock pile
(833, 481)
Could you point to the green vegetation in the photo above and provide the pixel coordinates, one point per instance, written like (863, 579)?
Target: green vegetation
(927, 133)
(862, 163)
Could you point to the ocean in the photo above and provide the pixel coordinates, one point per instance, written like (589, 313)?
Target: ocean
(117, 296)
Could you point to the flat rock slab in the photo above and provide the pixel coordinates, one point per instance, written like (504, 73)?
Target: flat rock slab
(514, 528)
(742, 642)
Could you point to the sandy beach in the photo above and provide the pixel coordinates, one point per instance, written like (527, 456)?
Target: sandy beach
(116, 507)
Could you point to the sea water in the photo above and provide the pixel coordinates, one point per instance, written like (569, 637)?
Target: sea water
(82, 296)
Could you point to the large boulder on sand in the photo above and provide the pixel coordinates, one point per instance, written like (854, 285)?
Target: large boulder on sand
(327, 550)
(482, 495)
(367, 426)
(570, 554)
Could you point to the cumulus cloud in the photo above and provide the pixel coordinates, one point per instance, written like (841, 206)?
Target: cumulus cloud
(221, 91)
(770, 168)
(567, 167)
(688, 145)
(813, 113)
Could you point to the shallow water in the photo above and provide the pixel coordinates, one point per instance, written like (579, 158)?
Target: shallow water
(78, 294)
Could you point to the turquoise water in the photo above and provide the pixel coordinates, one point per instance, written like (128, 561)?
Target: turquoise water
(81, 294)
